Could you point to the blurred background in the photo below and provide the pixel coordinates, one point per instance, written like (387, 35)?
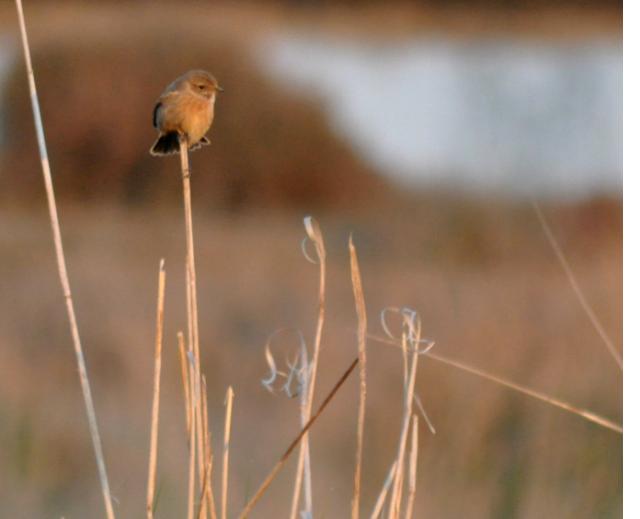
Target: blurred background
(423, 128)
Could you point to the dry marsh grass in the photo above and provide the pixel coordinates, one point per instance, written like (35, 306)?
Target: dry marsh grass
(495, 451)
(518, 319)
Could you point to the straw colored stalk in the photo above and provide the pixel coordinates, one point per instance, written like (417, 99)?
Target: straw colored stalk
(225, 455)
(314, 233)
(62, 270)
(202, 509)
(304, 371)
(413, 468)
(538, 395)
(208, 450)
(185, 382)
(377, 509)
(396, 495)
(192, 438)
(591, 315)
(196, 421)
(155, 408)
(358, 295)
(278, 466)
(192, 301)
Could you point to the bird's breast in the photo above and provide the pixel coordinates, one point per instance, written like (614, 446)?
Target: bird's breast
(188, 114)
(198, 118)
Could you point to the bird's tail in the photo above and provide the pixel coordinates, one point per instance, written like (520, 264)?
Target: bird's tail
(166, 144)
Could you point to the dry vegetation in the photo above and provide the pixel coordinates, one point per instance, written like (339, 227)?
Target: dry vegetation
(480, 273)
(517, 317)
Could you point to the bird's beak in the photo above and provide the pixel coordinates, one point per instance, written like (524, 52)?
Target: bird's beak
(219, 88)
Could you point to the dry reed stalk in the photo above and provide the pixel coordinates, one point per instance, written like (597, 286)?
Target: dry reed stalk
(190, 341)
(305, 464)
(185, 381)
(377, 509)
(418, 402)
(413, 468)
(208, 450)
(201, 425)
(593, 319)
(195, 401)
(192, 438)
(303, 406)
(583, 413)
(303, 378)
(202, 509)
(62, 269)
(405, 363)
(399, 477)
(413, 333)
(155, 408)
(358, 295)
(225, 458)
(314, 233)
(192, 301)
(278, 466)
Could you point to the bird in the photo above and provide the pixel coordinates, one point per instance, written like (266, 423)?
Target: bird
(185, 111)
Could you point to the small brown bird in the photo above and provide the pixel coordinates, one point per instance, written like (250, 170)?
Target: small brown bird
(185, 110)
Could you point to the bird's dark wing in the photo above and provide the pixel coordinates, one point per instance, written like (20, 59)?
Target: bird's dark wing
(155, 114)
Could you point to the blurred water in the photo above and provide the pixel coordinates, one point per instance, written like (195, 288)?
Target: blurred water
(493, 115)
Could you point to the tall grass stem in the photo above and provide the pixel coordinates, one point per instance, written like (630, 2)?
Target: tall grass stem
(155, 408)
(192, 437)
(591, 315)
(413, 468)
(208, 451)
(361, 311)
(314, 233)
(192, 302)
(382, 496)
(278, 466)
(185, 381)
(538, 395)
(225, 455)
(396, 494)
(62, 270)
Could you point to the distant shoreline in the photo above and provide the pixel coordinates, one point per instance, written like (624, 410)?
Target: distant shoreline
(402, 19)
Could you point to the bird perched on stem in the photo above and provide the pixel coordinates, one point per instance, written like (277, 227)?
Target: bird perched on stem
(185, 110)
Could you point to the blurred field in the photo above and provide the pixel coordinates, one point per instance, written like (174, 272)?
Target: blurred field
(97, 122)
(479, 271)
(101, 68)
(507, 308)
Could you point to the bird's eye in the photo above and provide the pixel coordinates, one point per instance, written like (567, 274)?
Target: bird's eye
(201, 87)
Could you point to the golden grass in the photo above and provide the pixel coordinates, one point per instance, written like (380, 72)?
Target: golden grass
(155, 407)
(377, 509)
(193, 447)
(413, 468)
(200, 449)
(593, 318)
(411, 338)
(377, 279)
(226, 447)
(538, 395)
(278, 466)
(314, 234)
(62, 269)
(361, 311)
(208, 450)
(184, 372)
